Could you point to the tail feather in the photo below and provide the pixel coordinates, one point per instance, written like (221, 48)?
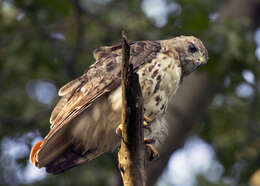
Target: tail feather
(72, 157)
(67, 160)
(34, 152)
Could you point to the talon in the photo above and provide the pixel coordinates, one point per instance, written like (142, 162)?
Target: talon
(147, 126)
(149, 141)
(154, 153)
(147, 123)
(119, 130)
(147, 119)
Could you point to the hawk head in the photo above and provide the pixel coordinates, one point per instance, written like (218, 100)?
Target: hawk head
(191, 51)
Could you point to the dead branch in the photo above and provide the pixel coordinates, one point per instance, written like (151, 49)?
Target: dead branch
(131, 156)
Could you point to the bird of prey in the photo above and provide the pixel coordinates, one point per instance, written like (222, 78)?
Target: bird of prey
(84, 122)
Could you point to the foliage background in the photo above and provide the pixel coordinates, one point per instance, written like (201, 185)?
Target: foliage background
(45, 43)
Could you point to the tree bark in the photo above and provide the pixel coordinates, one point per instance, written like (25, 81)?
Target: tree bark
(131, 155)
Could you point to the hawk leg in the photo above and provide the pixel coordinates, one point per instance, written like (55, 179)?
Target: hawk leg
(146, 124)
(154, 154)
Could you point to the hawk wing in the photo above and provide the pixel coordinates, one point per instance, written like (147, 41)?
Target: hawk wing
(78, 95)
(102, 77)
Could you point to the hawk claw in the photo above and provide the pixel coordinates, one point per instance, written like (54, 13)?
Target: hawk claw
(149, 141)
(154, 154)
(147, 123)
(147, 119)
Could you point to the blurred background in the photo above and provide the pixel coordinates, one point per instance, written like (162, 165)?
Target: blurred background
(214, 137)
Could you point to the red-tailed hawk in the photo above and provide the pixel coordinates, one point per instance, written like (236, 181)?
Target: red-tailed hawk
(84, 121)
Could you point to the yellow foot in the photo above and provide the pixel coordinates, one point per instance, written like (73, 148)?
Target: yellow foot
(147, 119)
(147, 123)
(154, 154)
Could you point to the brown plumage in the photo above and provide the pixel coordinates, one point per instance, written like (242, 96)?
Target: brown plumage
(84, 121)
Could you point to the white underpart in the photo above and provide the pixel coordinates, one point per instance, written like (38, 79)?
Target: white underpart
(170, 72)
(115, 98)
(168, 87)
(96, 114)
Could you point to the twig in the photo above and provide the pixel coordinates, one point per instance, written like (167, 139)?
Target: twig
(131, 156)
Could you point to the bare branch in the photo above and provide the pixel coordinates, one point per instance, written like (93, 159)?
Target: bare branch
(131, 156)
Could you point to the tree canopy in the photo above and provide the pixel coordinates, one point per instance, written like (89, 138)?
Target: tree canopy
(46, 43)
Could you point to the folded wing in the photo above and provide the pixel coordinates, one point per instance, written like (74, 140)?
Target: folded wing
(78, 95)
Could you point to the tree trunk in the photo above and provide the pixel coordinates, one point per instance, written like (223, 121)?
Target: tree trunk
(131, 156)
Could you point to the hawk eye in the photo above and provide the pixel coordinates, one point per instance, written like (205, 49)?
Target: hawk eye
(192, 48)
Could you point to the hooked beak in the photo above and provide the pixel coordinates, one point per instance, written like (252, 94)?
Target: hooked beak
(201, 61)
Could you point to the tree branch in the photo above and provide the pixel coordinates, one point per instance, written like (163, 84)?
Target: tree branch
(131, 156)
